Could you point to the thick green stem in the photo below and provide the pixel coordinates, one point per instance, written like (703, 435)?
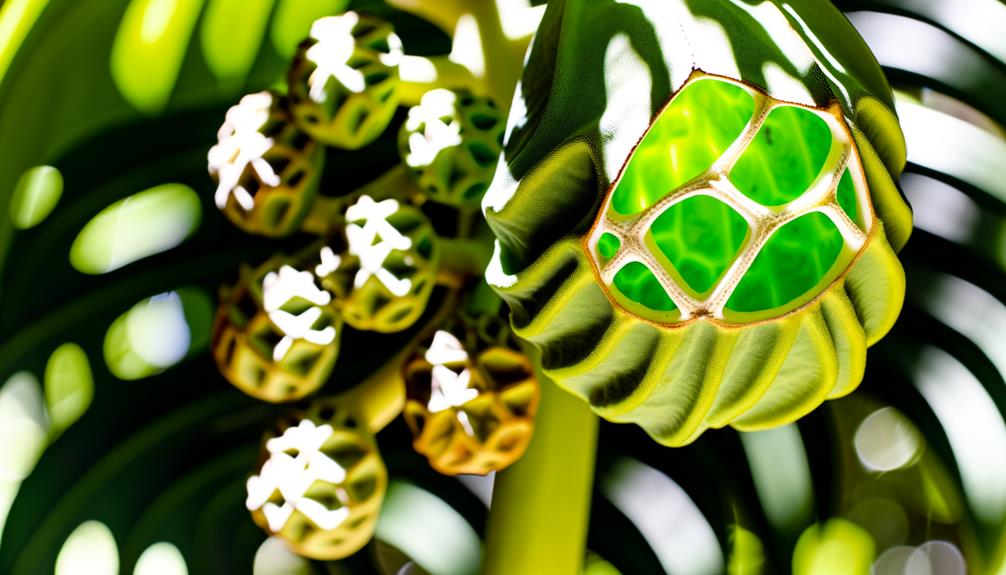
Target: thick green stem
(380, 398)
(503, 56)
(483, 300)
(541, 504)
(420, 75)
(490, 48)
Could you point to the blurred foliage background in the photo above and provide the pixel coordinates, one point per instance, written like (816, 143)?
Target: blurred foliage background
(121, 448)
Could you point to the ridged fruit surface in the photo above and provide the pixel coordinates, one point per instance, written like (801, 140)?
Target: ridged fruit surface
(709, 236)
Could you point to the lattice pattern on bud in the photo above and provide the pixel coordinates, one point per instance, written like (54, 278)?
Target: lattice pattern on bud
(742, 228)
(321, 482)
(452, 143)
(382, 267)
(276, 335)
(266, 168)
(471, 400)
(344, 79)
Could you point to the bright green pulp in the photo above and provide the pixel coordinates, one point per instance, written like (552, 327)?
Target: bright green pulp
(793, 261)
(689, 135)
(701, 236)
(846, 196)
(638, 283)
(784, 158)
(608, 246)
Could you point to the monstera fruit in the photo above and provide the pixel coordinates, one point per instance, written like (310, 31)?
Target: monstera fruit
(451, 142)
(697, 219)
(276, 334)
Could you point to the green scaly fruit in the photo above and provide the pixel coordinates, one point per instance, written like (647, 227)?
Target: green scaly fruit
(697, 218)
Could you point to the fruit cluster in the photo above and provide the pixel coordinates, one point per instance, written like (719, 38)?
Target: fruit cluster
(373, 264)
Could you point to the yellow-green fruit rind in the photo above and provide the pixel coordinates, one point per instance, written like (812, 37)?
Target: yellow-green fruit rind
(671, 373)
(354, 449)
(244, 340)
(677, 381)
(343, 81)
(888, 202)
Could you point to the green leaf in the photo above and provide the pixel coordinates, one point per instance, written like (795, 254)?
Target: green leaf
(293, 20)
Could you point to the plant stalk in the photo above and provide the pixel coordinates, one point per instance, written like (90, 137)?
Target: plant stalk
(380, 398)
(541, 504)
(421, 74)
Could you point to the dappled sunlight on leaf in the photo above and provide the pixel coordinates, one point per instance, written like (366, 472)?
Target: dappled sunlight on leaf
(23, 428)
(836, 547)
(157, 333)
(974, 427)
(663, 512)
(150, 46)
(141, 225)
(231, 34)
(69, 386)
(161, 559)
(273, 557)
(428, 530)
(89, 550)
(781, 475)
(293, 19)
(35, 196)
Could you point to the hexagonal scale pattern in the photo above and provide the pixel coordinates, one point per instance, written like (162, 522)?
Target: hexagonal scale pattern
(733, 203)
(682, 143)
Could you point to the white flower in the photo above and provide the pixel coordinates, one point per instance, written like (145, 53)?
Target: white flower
(450, 388)
(277, 290)
(241, 144)
(295, 463)
(374, 241)
(437, 134)
(331, 54)
(445, 349)
(329, 262)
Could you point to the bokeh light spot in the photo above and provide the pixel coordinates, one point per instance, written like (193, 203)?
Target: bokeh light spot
(69, 385)
(35, 196)
(157, 333)
(886, 440)
(161, 558)
(144, 224)
(89, 550)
